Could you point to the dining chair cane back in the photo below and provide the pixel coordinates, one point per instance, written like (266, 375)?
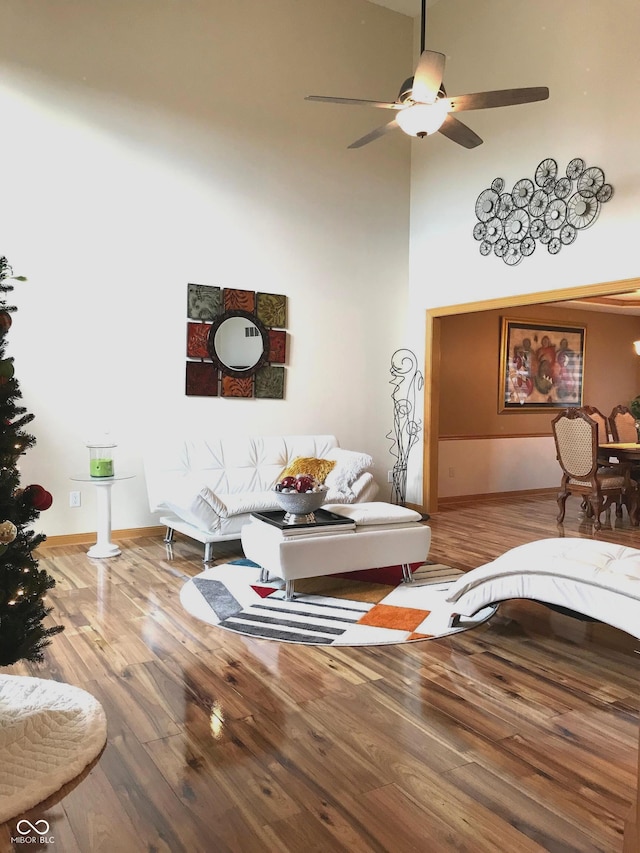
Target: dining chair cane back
(623, 425)
(576, 439)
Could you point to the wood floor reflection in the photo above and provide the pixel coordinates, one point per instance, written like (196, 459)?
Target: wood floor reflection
(518, 736)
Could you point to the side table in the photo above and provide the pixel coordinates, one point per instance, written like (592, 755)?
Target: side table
(104, 547)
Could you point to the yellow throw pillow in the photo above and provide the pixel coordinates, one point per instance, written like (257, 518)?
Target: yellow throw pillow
(318, 468)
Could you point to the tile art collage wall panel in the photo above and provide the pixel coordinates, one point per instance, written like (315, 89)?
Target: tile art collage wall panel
(208, 374)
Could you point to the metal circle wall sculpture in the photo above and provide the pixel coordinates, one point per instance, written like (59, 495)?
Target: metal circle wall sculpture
(550, 209)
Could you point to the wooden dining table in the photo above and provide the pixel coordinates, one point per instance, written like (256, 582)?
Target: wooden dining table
(625, 452)
(622, 449)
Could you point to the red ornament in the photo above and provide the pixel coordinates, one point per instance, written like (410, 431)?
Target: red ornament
(5, 321)
(303, 484)
(38, 497)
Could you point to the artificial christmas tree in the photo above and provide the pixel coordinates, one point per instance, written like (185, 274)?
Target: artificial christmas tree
(22, 585)
(49, 731)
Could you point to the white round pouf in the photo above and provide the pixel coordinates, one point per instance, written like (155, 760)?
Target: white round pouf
(49, 732)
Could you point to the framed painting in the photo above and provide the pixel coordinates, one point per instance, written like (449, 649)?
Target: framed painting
(541, 366)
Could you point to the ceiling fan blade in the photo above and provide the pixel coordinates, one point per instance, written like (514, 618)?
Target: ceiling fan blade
(459, 132)
(428, 77)
(497, 98)
(374, 134)
(383, 105)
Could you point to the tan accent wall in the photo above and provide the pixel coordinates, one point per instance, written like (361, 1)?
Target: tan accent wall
(470, 362)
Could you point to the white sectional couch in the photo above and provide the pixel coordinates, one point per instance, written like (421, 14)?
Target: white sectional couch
(207, 487)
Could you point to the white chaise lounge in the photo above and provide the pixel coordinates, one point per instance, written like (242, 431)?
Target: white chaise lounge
(598, 579)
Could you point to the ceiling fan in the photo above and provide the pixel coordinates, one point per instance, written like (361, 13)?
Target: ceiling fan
(423, 107)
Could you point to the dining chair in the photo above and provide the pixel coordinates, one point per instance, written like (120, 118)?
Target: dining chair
(604, 433)
(604, 427)
(623, 429)
(576, 438)
(623, 425)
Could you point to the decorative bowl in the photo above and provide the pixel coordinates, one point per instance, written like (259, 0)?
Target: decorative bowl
(300, 506)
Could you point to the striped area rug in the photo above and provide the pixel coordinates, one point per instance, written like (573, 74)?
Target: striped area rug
(354, 609)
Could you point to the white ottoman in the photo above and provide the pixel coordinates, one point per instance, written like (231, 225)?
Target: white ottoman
(598, 579)
(385, 535)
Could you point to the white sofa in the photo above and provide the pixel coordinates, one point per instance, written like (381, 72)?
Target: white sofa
(207, 487)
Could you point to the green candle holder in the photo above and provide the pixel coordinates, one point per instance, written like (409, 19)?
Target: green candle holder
(101, 460)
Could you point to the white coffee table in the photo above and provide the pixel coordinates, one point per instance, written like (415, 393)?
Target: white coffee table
(401, 539)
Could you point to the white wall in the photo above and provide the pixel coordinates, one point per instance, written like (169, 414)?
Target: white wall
(587, 54)
(145, 146)
(484, 466)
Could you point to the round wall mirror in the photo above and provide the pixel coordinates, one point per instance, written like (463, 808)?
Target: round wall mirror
(238, 343)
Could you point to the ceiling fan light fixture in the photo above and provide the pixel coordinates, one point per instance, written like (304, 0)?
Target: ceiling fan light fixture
(422, 119)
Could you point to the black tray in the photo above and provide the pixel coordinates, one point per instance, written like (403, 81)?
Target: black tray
(324, 520)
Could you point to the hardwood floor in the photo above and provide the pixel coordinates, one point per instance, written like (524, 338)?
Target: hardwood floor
(521, 735)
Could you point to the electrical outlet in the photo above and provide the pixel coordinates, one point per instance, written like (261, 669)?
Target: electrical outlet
(74, 499)
(452, 472)
(389, 476)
